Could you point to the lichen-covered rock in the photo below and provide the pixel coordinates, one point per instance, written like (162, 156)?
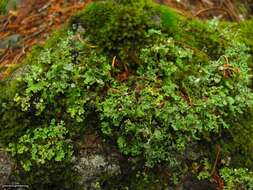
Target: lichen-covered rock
(96, 161)
(5, 167)
(93, 166)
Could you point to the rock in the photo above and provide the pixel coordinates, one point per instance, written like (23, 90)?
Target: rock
(6, 166)
(93, 166)
(10, 41)
(96, 160)
(191, 183)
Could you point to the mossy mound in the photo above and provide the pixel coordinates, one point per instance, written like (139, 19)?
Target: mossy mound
(158, 86)
(121, 30)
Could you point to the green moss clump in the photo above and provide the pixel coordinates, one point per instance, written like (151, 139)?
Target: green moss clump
(169, 20)
(121, 30)
(204, 35)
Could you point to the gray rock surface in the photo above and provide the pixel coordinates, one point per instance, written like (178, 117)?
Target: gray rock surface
(10, 41)
(6, 166)
(96, 161)
(92, 167)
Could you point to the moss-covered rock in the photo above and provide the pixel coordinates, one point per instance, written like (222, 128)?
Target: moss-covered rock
(162, 89)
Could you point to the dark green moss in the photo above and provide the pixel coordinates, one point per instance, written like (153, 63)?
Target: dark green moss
(237, 143)
(137, 179)
(203, 36)
(120, 29)
(56, 176)
(246, 32)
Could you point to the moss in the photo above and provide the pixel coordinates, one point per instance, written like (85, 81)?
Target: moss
(57, 36)
(11, 85)
(246, 32)
(177, 89)
(203, 36)
(55, 176)
(138, 179)
(120, 29)
(243, 31)
(3, 5)
(237, 143)
(169, 19)
(13, 119)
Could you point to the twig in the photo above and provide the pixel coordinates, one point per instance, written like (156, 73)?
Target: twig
(216, 159)
(207, 2)
(233, 11)
(192, 48)
(113, 61)
(85, 42)
(44, 7)
(214, 8)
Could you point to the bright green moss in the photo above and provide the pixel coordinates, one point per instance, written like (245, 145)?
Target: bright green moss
(169, 19)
